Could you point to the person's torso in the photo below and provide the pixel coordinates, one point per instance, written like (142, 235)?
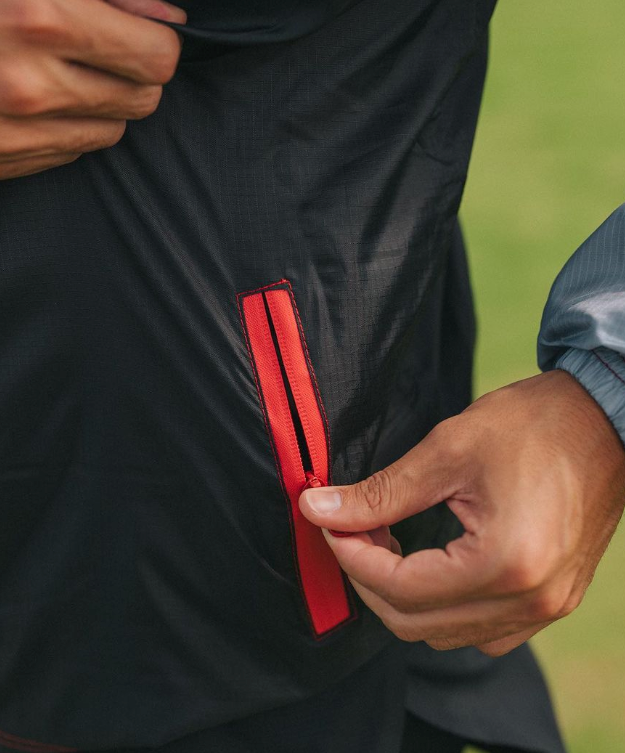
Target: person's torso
(289, 203)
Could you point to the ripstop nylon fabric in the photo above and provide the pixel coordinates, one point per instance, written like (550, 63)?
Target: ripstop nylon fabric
(148, 588)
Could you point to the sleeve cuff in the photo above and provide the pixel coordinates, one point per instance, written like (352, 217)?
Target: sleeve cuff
(602, 373)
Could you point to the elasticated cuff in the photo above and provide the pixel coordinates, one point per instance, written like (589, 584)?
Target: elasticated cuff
(602, 373)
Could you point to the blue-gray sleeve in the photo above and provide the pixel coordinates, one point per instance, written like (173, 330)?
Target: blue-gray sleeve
(583, 325)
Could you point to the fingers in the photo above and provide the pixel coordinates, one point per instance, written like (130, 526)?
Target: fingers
(20, 168)
(37, 138)
(74, 90)
(121, 43)
(94, 33)
(502, 623)
(72, 74)
(88, 92)
(426, 475)
(94, 93)
(151, 9)
(396, 546)
(442, 597)
(381, 537)
(505, 645)
(463, 572)
(424, 580)
(495, 626)
(449, 598)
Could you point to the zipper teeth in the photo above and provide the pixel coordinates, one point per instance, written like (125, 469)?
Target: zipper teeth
(301, 378)
(305, 455)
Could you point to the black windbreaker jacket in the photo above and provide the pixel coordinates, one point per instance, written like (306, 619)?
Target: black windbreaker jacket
(262, 286)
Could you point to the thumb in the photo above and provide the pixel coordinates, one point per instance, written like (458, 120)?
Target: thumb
(420, 479)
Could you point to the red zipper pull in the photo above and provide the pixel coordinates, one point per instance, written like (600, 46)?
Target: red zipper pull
(312, 480)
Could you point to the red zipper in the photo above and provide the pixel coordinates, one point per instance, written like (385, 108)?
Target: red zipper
(298, 432)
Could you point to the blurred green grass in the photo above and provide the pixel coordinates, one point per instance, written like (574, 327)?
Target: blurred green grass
(548, 167)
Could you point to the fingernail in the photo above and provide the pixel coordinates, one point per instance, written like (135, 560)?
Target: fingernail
(168, 12)
(339, 534)
(323, 501)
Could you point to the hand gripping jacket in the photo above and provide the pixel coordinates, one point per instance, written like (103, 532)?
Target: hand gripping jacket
(261, 287)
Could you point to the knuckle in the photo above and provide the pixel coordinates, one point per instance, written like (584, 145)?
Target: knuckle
(400, 629)
(496, 650)
(523, 574)
(34, 21)
(69, 158)
(20, 94)
(376, 491)
(114, 133)
(571, 604)
(105, 136)
(450, 435)
(546, 606)
(164, 61)
(145, 102)
(521, 578)
(440, 432)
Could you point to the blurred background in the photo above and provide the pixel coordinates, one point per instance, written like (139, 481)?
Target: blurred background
(548, 167)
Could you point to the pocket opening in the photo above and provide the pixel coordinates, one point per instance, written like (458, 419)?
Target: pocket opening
(297, 430)
(295, 417)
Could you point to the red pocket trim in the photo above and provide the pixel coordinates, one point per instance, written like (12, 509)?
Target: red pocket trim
(297, 428)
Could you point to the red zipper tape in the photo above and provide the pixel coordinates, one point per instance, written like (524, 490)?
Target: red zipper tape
(321, 579)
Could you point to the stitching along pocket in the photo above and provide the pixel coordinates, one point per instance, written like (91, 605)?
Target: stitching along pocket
(298, 432)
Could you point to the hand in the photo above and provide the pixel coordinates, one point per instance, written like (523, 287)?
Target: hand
(72, 73)
(536, 475)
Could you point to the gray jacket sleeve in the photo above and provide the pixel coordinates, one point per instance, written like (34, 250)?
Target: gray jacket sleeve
(583, 325)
